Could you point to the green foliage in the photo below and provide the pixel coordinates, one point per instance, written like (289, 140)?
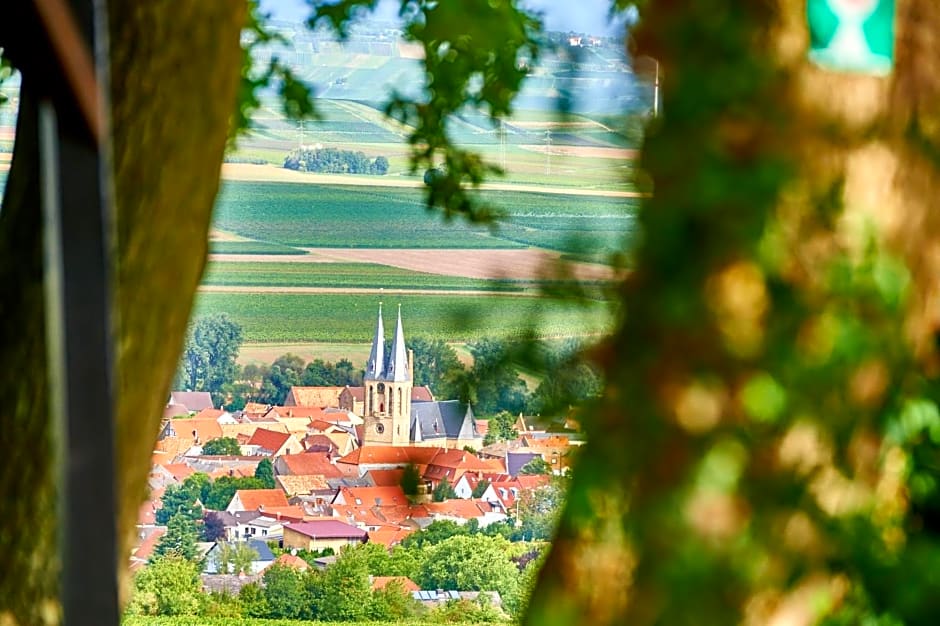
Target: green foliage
(212, 528)
(323, 374)
(437, 366)
(458, 611)
(393, 604)
(264, 472)
(221, 446)
(285, 372)
(219, 493)
(436, 532)
(480, 488)
(169, 585)
(343, 593)
(501, 427)
(496, 385)
(410, 480)
(179, 539)
(208, 360)
(285, 593)
(573, 381)
(234, 558)
(251, 598)
(179, 500)
(536, 466)
(469, 563)
(335, 161)
(444, 491)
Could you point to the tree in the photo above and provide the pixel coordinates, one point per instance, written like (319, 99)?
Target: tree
(495, 379)
(393, 603)
(480, 488)
(437, 366)
(218, 495)
(536, 466)
(235, 558)
(264, 472)
(469, 563)
(436, 532)
(410, 479)
(344, 592)
(444, 491)
(208, 361)
(179, 539)
(501, 427)
(222, 446)
(251, 598)
(284, 593)
(178, 500)
(169, 585)
(213, 528)
(285, 372)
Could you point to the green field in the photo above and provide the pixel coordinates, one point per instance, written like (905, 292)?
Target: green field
(346, 275)
(137, 620)
(250, 247)
(278, 317)
(292, 214)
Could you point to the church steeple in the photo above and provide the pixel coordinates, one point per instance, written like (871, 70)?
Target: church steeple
(398, 370)
(375, 366)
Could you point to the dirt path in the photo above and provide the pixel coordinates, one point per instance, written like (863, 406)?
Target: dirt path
(363, 291)
(270, 173)
(512, 264)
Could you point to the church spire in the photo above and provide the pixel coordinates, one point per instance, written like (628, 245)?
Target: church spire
(375, 366)
(398, 360)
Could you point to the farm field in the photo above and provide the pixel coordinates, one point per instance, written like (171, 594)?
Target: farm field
(297, 215)
(347, 275)
(350, 318)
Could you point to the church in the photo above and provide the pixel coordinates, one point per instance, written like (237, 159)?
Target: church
(392, 416)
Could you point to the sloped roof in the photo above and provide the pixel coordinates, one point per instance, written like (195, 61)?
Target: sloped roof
(358, 393)
(516, 460)
(327, 529)
(313, 396)
(193, 400)
(310, 463)
(180, 471)
(206, 429)
(249, 428)
(268, 439)
(465, 509)
(389, 455)
(386, 477)
(483, 427)
(302, 485)
(379, 582)
(174, 410)
(438, 420)
(459, 459)
(145, 549)
(388, 537)
(255, 407)
(255, 499)
(397, 368)
(289, 560)
(209, 414)
(375, 365)
(319, 443)
(422, 394)
(374, 496)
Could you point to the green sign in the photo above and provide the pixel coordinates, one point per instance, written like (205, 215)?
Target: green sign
(852, 35)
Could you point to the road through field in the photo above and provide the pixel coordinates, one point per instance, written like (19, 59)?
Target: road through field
(272, 174)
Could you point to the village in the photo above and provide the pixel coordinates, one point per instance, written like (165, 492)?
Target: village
(343, 466)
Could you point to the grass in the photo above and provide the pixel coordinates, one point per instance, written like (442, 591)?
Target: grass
(346, 275)
(301, 215)
(251, 247)
(302, 318)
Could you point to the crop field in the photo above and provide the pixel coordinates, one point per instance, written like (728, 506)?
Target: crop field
(346, 275)
(301, 318)
(250, 247)
(366, 217)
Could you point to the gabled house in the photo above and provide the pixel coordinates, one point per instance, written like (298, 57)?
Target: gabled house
(264, 557)
(313, 396)
(321, 534)
(194, 401)
(462, 511)
(266, 442)
(256, 500)
(307, 464)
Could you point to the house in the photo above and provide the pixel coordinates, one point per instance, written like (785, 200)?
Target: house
(185, 436)
(264, 557)
(462, 511)
(321, 534)
(369, 458)
(304, 485)
(194, 401)
(389, 537)
(292, 561)
(256, 500)
(371, 496)
(380, 582)
(517, 459)
(266, 442)
(219, 415)
(307, 464)
(313, 396)
(450, 465)
(468, 482)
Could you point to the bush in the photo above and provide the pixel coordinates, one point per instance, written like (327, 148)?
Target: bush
(334, 161)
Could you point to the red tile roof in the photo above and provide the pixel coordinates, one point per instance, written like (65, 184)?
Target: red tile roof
(327, 529)
(466, 509)
(421, 394)
(379, 582)
(374, 496)
(255, 499)
(145, 549)
(386, 478)
(268, 439)
(209, 414)
(310, 463)
(389, 455)
(289, 560)
(389, 537)
(315, 396)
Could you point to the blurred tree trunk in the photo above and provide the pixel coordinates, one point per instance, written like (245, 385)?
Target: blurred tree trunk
(768, 173)
(174, 78)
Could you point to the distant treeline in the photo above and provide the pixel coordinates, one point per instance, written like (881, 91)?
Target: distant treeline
(333, 161)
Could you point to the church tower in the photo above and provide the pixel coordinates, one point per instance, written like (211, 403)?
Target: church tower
(388, 383)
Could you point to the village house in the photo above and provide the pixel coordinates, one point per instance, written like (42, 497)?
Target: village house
(191, 401)
(316, 535)
(256, 500)
(266, 442)
(320, 397)
(263, 557)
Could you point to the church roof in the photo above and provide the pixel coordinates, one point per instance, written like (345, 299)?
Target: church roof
(375, 366)
(397, 370)
(436, 420)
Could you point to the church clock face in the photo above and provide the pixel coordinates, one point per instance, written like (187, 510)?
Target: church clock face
(380, 428)
(380, 388)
